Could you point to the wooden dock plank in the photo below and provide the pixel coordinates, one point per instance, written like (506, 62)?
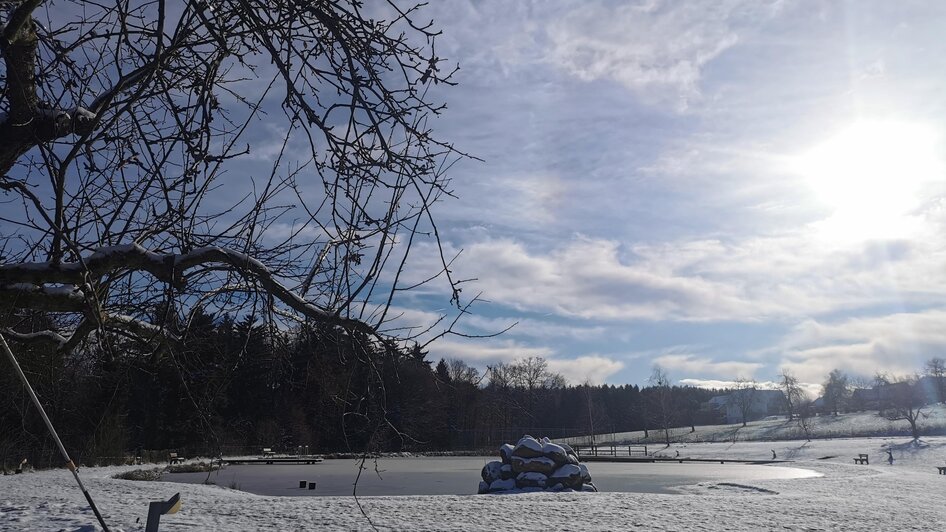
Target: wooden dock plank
(655, 459)
(271, 460)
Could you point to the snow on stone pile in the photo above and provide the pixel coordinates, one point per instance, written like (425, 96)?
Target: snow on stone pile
(535, 465)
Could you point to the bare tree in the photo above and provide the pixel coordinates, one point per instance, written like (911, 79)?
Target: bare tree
(661, 400)
(131, 196)
(794, 393)
(459, 371)
(936, 370)
(907, 402)
(881, 387)
(804, 413)
(117, 125)
(743, 396)
(835, 391)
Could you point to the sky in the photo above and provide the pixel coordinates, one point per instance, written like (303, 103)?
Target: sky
(722, 188)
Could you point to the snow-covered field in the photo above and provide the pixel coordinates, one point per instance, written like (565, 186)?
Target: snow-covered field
(909, 495)
(851, 425)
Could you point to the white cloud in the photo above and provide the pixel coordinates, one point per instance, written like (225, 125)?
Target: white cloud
(652, 47)
(896, 343)
(486, 351)
(788, 277)
(592, 368)
(693, 364)
(811, 390)
(537, 329)
(589, 368)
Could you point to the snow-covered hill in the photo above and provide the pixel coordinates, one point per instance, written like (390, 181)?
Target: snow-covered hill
(851, 425)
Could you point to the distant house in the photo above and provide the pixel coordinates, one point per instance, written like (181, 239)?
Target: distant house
(879, 397)
(764, 403)
(864, 398)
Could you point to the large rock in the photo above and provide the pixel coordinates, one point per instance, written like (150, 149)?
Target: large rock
(491, 471)
(585, 475)
(535, 465)
(505, 452)
(539, 464)
(531, 480)
(502, 485)
(571, 455)
(569, 476)
(528, 447)
(555, 452)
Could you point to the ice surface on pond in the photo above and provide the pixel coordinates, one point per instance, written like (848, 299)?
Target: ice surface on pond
(460, 475)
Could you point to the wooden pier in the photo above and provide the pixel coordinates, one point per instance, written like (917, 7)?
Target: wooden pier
(658, 459)
(638, 453)
(271, 460)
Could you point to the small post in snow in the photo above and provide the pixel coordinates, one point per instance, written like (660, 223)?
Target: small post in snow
(158, 508)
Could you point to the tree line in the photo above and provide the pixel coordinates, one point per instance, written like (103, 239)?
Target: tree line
(233, 386)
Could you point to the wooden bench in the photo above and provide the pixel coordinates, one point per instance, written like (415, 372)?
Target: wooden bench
(942, 470)
(173, 458)
(861, 459)
(268, 453)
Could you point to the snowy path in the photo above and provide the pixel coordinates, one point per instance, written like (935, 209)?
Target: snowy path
(908, 495)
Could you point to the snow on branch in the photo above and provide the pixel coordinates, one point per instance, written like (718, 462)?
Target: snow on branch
(25, 281)
(38, 297)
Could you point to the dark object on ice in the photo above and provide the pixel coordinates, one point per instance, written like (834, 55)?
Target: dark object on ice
(173, 458)
(158, 508)
(311, 485)
(889, 457)
(861, 459)
(302, 483)
(773, 454)
(942, 469)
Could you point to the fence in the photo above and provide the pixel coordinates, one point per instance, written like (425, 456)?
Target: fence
(611, 450)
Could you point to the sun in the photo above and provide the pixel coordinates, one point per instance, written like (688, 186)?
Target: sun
(871, 176)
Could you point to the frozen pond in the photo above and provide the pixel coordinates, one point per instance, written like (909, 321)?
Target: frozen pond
(461, 475)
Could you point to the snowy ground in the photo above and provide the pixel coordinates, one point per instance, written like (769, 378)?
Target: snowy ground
(852, 425)
(909, 495)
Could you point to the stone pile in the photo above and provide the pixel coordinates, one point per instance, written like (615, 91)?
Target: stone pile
(536, 465)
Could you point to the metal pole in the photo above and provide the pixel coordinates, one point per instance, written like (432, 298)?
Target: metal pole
(52, 430)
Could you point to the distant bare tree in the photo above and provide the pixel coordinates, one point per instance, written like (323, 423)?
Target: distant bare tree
(936, 369)
(743, 396)
(460, 372)
(881, 386)
(661, 401)
(794, 393)
(907, 402)
(804, 413)
(835, 391)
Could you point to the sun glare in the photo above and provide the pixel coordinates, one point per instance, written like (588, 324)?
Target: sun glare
(871, 175)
